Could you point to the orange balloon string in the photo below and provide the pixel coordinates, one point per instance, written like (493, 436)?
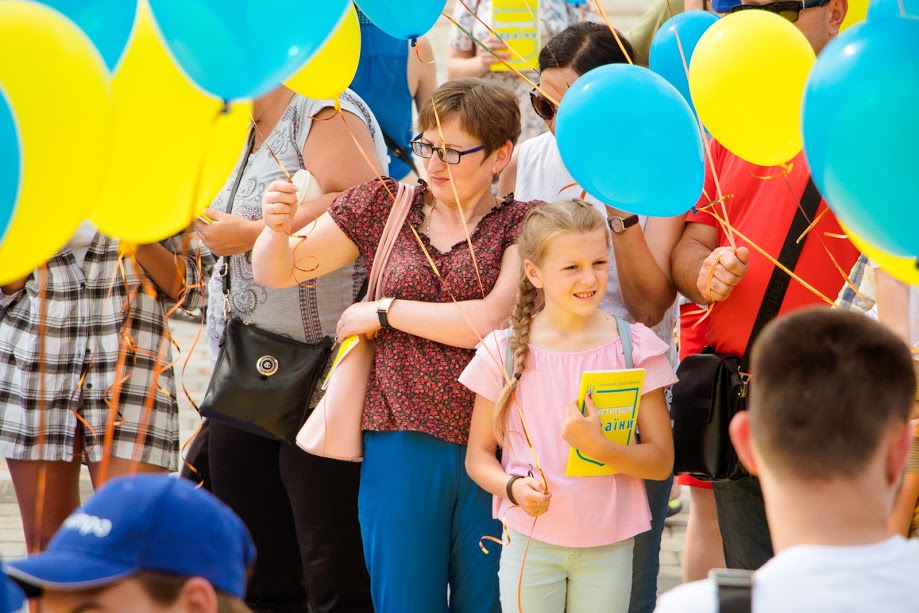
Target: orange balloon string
(199, 172)
(526, 551)
(185, 461)
(774, 261)
(613, 30)
(843, 273)
(40, 490)
(121, 374)
(482, 45)
(159, 366)
(495, 34)
(459, 204)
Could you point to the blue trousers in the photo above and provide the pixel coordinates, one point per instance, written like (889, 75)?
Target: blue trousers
(646, 560)
(421, 521)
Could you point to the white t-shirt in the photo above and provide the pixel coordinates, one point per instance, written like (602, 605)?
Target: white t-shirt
(541, 175)
(808, 578)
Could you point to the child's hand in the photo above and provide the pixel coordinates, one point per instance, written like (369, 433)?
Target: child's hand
(583, 431)
(529, 495)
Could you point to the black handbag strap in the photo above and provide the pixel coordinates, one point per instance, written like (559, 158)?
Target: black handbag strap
(735, 590)
(240, 169)
(400, 152)
(788, 257)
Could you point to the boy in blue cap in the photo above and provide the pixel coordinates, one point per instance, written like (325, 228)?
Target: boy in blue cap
(143, 543)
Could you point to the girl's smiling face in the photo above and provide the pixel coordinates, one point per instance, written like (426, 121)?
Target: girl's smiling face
(574, 272)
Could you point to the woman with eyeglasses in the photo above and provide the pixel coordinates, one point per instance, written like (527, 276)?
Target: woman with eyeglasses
(421, 515)
(639, 287)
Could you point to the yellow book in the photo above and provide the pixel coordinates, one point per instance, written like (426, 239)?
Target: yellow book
(516, 22)
(616, 394)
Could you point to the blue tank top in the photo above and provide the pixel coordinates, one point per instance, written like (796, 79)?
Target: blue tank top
(382, 82)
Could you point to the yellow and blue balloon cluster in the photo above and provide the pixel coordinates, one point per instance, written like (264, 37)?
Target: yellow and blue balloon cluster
(131, 113)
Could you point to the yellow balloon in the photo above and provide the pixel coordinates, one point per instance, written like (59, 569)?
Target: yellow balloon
(858, 10)
(329, 73)
(57, 87)
(173, 145)
(747, 80)
(905, 269)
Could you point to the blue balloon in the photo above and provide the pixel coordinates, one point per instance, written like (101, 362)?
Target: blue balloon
(237, 49)
(665, 58)
(108, 23)
(884, 9)
(11, 168)
(405, 19)
(629, 138)
(861, 126)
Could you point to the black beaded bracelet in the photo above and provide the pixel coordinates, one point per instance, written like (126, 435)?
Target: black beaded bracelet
(509, 488)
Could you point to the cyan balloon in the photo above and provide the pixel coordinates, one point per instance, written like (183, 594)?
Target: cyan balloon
(107, 23)
(665, 58)
(402, 18)
(861, 127)
(884, 9)
(630, 139)
(238, 49)
(10, 169)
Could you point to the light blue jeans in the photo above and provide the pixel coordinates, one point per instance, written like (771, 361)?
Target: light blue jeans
(565, 579)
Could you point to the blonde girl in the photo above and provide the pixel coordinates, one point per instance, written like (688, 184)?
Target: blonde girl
(580, 557)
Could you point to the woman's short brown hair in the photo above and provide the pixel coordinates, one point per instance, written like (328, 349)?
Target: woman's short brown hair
(486, 110)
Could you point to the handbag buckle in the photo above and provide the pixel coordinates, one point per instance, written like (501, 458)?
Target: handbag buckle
(744, 383)
(267, 365)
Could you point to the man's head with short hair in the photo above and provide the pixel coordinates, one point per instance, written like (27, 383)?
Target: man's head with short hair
(819, 24)
(828, 388)
(138, 536)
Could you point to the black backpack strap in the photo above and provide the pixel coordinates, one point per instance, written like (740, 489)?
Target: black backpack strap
(735, 589)
(400, 152)
(788, 257)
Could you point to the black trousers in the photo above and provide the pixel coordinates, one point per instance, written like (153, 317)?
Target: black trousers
(302, 513)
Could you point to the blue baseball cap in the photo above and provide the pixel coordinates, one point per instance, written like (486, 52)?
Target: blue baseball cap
(11, 597)
(724, 6)
(142, 522)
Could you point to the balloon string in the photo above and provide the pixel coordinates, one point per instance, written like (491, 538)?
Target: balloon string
(459, 205)
(771, 259)
(520, 58)
(535, 86)
(613, 30)
(42, 406)
(199, 172)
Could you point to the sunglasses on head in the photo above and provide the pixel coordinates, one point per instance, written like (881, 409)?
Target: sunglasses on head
(543, 107)
(788, 9)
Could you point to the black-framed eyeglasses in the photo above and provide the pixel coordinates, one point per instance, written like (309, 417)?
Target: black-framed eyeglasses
(446, 154)
(543, 107)
(789, 9)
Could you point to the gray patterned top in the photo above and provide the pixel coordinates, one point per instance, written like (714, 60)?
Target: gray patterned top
(310, 310)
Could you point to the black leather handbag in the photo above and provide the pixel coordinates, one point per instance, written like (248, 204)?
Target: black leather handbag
(709, 393)
(713, 388)
(263, 382)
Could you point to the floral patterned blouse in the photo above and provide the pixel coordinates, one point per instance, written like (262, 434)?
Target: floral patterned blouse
(413, 381)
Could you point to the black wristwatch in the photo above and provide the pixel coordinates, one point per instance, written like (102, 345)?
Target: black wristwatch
(618, 225)
(383, 311)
